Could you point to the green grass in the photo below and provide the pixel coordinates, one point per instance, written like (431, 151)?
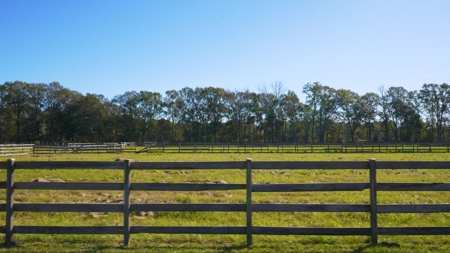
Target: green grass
(230, 243)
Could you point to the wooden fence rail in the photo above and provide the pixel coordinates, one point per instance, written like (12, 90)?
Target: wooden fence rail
(15, 149)
(371, 147)
(248, 207)
(379, 147)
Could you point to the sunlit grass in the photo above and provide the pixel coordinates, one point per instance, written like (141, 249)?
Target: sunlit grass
(229, 243)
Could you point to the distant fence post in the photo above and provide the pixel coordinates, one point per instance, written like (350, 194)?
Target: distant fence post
(249, 202)
(373, 202)
(9, 202)
(126, 202)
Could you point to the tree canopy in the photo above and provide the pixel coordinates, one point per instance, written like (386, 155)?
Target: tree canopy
(39, 112)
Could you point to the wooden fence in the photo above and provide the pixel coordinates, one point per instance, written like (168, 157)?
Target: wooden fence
(154, 147)
(249, 207)
(379, 147)
(78, 148)
(15, 149)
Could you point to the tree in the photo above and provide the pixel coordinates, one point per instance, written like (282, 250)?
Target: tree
(192, 114)
(323, 104)
(411, 125)
(149, 107)
(5, 124)
(397, 106)
(292, 108)
(435, 100)
(214, 109)
(60, 108)
(272, 115)
(352, 110)
(384, 113)
(173, 107)
(91, 118)
(34, 119)
(370, 102)
(128, 115)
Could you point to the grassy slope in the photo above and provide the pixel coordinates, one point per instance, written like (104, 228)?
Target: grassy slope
(231, 243)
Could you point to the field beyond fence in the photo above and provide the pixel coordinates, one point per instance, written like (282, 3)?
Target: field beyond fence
(250, 168)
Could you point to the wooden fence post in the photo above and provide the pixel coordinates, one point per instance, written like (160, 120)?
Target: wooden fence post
(373, 202)
(249, 202)
(9, 202)
(126, 202)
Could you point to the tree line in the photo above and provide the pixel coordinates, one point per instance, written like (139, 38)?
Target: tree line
(31, 112)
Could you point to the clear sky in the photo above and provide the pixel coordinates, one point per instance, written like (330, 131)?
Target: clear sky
(109, 47)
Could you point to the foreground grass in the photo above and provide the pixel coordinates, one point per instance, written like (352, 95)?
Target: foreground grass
(230, 243)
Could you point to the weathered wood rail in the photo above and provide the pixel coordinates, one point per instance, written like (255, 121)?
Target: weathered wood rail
(78, 148)
(379, 147)
(248, 207)
(15, 149)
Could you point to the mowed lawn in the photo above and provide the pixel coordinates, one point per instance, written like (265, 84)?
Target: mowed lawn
(229, 243)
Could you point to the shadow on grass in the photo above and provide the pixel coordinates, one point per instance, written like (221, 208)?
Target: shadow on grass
(75, 245)
(63, 246)
(181, 248)
(380, 245)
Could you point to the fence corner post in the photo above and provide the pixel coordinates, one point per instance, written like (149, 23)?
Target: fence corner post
(373, 202)
(126, 202)
(9, 226)
(249, 202)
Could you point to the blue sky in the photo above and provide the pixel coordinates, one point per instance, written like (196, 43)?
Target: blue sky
(109, 47)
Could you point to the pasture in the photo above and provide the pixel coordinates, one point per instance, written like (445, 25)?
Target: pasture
(230, 243)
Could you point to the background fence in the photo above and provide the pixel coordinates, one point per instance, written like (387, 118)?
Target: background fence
(154, 147)
(379, 147)
(78, 148)
(248, 207)
(16, 149)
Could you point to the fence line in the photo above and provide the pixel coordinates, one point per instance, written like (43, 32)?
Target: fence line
(15, 149)
(249, 207)
(294, 148)
(380, 147)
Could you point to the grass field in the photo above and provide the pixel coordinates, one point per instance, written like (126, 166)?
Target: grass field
(230, 243)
